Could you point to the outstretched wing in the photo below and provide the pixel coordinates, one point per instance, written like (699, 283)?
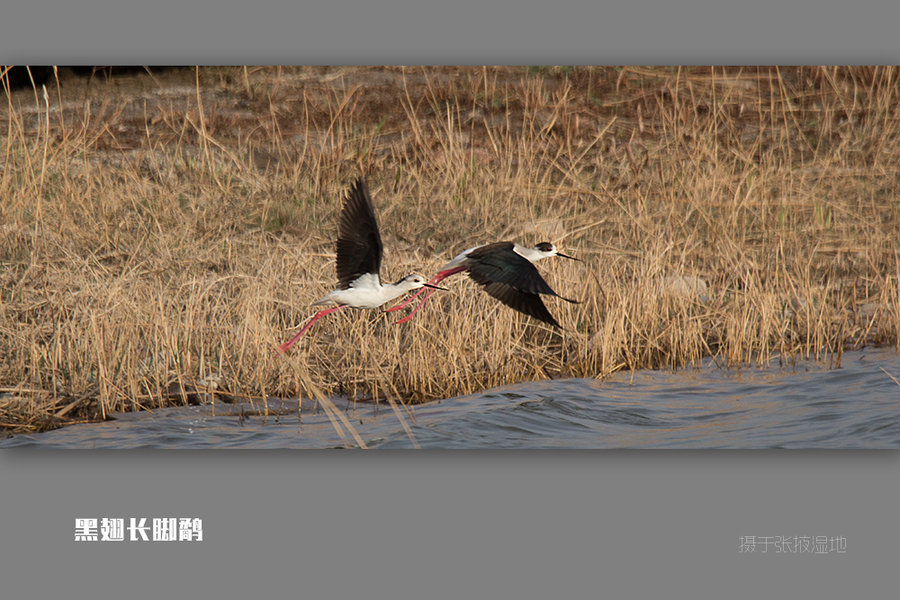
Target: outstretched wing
(529, 304)
(359, 245)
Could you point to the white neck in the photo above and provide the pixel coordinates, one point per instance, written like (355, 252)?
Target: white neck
(530, 253)
(389, 291)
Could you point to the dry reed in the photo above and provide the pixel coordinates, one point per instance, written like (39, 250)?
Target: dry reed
(161, 233)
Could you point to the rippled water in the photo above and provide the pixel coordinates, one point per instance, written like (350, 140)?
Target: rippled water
(804, 406)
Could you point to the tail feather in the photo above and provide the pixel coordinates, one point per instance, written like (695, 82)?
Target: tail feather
(323, 300)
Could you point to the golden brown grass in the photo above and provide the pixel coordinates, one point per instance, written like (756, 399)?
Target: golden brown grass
(161, 234)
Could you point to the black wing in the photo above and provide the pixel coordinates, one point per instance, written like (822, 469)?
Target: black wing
(499, 263)
(511, 279)
(529, 304)
(359, 245)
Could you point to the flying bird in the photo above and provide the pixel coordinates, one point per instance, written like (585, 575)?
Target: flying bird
(506, 271)
(359, 251)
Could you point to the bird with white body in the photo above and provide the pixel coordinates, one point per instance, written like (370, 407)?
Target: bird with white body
(359, 252)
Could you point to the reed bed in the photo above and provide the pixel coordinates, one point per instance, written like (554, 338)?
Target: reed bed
(161, 233)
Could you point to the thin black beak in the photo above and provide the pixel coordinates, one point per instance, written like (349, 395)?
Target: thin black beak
(569, 257)
(434, 287)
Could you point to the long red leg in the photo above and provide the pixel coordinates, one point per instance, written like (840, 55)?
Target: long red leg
(417, 308)
(434, 281)
(286, 346)
(408, 300)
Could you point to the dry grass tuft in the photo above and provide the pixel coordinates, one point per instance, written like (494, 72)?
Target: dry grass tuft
(161, 234)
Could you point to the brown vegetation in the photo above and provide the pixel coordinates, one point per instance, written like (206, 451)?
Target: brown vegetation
(160, 234)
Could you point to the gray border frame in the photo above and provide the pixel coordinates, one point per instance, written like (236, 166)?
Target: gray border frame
(451, 524)
(460, 32)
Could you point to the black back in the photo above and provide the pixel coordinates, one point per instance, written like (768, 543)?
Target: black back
(498, 262)
(511, 279)
(359, 245)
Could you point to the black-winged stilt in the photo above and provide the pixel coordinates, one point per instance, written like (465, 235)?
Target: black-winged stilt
(506, 271)
(359, 251)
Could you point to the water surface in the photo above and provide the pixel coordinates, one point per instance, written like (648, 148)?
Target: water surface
(807, 405)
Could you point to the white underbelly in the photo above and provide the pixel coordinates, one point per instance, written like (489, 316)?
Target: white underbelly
(358, 298)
